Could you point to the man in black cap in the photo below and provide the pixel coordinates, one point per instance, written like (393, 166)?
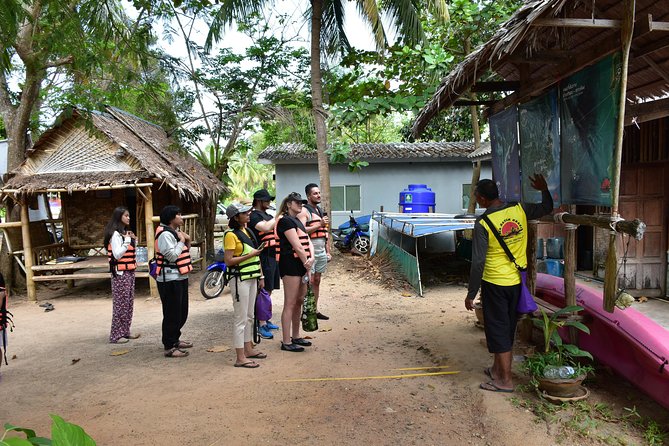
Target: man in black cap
(262, 225)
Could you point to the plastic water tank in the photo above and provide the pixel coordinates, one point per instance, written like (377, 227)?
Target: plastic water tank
(555, 248)
(417, 198)
(540, 248)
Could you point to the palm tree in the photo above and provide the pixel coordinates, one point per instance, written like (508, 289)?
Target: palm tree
(328, 36)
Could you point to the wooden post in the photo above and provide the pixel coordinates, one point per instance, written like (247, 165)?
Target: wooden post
(570, 264)
(27, 250)
(532, 229)
(610, 277)
(150, 233)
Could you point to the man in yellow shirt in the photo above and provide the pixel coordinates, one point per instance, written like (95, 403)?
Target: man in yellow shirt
(497, 275)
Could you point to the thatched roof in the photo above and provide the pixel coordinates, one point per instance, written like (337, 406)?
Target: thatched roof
(379, 152)
(539, 37)
(111, 148)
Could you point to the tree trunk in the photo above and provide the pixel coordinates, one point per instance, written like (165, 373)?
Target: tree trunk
(317, 104)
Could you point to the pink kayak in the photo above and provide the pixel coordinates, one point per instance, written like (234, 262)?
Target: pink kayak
(633, 345)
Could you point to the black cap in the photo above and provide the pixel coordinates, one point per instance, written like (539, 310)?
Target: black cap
(263, 195)
(294, 196)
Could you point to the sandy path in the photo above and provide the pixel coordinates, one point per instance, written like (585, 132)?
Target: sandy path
(142, 398)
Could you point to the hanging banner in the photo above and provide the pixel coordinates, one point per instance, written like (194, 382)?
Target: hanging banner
(504, 146)
(540, 145)
(589, 114)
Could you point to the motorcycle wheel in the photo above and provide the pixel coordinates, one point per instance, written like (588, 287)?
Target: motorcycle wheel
(361, 245)
(340, 246)
(211, 284)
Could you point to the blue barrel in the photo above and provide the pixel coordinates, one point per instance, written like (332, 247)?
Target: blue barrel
(554, 267)
(555, 247)
(418, 198)
(540, 248)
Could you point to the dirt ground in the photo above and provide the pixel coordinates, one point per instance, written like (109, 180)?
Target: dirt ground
(61, 363)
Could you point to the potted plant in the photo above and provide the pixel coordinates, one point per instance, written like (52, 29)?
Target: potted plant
(556, 370)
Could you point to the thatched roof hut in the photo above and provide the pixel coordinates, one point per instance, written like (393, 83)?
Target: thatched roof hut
(548, 40)
(101, 160)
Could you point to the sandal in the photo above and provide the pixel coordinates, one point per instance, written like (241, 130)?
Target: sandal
(175, 353)
(184, 344)
(247, 365)
(133, 336)
(258, 355)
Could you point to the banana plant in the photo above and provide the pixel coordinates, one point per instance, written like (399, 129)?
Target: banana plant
(550, 326)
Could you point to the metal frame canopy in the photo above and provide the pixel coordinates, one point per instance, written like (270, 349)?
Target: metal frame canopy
(419, 225)
(415, 226)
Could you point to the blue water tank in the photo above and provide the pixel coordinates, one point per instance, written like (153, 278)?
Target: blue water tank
(555, 247)
(554, 267)
(540, 248)
(418, 198)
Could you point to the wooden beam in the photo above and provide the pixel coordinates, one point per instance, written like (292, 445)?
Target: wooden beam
(647, 111)
(657, 45)
(598, 23)
(480, 87)
(658, 69)
(466, 103)
(636, 228)
(577, 23)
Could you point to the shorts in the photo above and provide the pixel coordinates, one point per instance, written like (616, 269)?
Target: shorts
(499, 313)
(270, 269)
(291, 267)
(320, 262)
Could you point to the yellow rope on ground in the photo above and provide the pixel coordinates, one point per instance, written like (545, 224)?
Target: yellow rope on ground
(413, 375)
(425, 368)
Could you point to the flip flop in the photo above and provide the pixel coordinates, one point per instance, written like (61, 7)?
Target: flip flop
(248, 365)
(490, 386)
(258, 355)
(488, 373)
(184, 344)
(175, 353)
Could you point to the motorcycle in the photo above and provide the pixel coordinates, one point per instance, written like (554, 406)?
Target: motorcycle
(212, 282)
(352, 236)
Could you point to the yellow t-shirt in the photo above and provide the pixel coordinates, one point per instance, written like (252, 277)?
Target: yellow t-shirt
(511, 224)
(231, 241)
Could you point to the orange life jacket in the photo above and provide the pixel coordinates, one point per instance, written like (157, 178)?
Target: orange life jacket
(303, 236)
(183, 263)
(316, 218)
(127, 262)
(269, 237)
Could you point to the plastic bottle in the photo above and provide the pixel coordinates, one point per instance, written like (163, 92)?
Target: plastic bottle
(558, 372)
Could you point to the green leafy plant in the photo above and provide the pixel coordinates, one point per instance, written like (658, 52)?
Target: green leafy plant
(556, 352)
(62, 434)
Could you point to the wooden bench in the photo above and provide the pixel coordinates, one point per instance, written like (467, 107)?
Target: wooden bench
(98, 265)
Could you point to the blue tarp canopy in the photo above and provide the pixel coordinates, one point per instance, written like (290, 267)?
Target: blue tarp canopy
(419, 225)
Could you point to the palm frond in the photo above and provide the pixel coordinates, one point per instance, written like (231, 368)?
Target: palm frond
(369, 10)
(333, 37)
(228, 12)
(405, 15)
